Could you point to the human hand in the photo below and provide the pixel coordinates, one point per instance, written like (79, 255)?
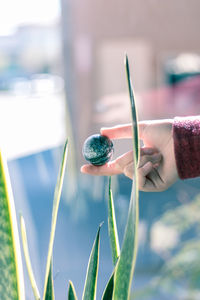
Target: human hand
(157, 166)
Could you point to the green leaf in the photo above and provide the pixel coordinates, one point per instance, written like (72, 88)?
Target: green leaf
(56, 202)
(134, 117)
(112, 227)
(71, 292)
(126, 263)
(108, 292)
(27, 259)
(89, 292)
(11, 272)
(50, 288)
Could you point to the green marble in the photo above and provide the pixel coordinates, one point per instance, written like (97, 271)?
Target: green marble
(98, 149)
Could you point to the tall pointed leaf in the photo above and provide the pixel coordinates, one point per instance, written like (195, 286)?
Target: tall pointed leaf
(134, 117)
(27, 259)
(11, 273)
(71, 292)
(56, 202)
(112, 227)
(126, 263)
(108, 292)
(50, 288)
(89, 292)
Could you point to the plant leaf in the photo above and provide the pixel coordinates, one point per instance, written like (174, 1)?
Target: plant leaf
(27, 259)
(134, 117)
(11, 272)
(126, 263)
(50, 288)
(71, 292)
(108, 292)
(89, 292)
(112, 227)
(56, 202)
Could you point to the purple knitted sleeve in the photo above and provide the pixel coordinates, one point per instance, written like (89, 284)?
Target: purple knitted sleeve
(186, 134)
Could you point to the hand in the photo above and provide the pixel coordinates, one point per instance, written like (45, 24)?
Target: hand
(157, 166)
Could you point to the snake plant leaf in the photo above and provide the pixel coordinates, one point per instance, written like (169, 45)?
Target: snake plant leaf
(126, 262)
(71, 292)
(133, 111)
(56, 202)
(27, 259)
(108, 292)
(50, 288)
(89, 292)
(11, 272)
(112, 227)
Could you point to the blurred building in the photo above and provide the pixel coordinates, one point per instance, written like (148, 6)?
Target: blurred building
(31, 49)
(96, 35)
(32, 99)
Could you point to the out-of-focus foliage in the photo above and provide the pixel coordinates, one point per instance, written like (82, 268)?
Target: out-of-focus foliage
(180, 275)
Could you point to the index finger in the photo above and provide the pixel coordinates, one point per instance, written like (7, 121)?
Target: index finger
(122, 131)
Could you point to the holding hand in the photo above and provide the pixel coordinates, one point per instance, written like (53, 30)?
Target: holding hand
(157, 166)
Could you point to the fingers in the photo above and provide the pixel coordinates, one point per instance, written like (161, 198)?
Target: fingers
(105, 170)
(152, 182)
(111, 168)
(122, 131)
(123, 164)
(123, 160)
(154, 159)
(144, 181)
(146, 164)
(148, 182)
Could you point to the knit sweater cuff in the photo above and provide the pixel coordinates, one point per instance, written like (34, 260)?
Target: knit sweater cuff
(186, 134)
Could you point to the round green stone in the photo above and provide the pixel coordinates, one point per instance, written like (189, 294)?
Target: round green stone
(98, 149)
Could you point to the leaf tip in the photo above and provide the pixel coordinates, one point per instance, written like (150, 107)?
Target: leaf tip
(125, 57)
(126, 60)
(66, 142)
(71, 291)
(100, 225)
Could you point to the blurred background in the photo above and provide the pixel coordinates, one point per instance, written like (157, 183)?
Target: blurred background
(62, 75)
